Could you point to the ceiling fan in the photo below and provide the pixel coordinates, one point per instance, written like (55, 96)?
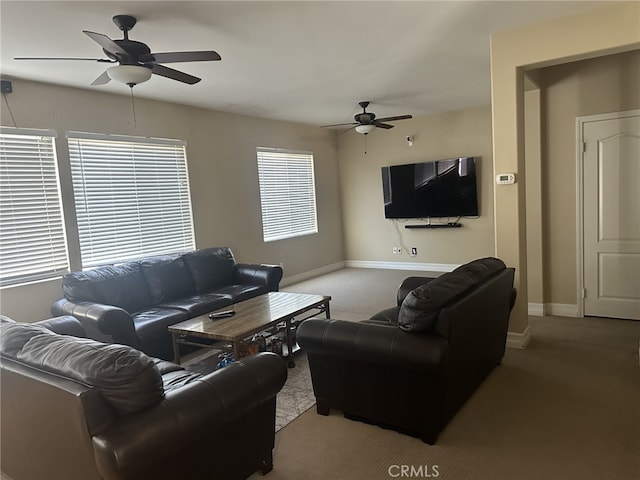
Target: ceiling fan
(135, 61)
(366, 122)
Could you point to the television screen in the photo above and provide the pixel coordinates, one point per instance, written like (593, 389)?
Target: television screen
(444, 188)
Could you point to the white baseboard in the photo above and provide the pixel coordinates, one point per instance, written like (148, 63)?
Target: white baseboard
(518, 340)
(561, 309)
(427, 267)
(537, 309)
(301, 277)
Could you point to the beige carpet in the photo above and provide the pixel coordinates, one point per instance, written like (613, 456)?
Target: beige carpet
(567, 407)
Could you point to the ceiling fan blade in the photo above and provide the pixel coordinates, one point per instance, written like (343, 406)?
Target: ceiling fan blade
(382, 125)
(102, 79)
(393, 119)
(106, 43)
(66, 58)
(338, 125)
(174, 57)
(174, 74)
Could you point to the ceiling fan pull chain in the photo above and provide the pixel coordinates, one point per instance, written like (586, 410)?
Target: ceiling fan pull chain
(133, 107)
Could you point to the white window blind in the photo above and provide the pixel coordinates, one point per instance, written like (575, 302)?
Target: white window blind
(287, 193)
(32, 238)
(132, 197)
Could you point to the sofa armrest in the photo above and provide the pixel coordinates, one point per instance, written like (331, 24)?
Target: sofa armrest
(99, 320)
(409, 284)
(384, 345)
(254, 274)
(187, 415)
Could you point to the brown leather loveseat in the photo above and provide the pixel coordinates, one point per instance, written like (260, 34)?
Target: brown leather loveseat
(77, 409)
(134, 303)
(413, 366)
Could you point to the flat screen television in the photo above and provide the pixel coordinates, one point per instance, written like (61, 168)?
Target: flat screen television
(444, 188)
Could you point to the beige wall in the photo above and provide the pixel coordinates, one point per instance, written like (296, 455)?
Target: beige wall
(533, 174)
(589, 87)
(222, 170)
(612, 29)
(369, 237)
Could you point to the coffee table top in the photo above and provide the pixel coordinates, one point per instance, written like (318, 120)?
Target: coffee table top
(252, 316)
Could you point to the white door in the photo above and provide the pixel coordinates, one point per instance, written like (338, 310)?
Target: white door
(611, 208)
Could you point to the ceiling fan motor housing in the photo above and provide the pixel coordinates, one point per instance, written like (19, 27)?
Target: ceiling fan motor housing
(133, 48)
(364, 118)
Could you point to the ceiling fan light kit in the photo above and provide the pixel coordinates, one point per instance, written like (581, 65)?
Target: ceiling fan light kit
(365, 129)
(129, 74)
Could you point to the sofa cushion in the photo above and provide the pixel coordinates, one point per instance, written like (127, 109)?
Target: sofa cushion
(211, 268)
(13, 335)
(127, 378)
(118, 285)
(198, 304)
(152, 329)
(388, 316)
(419, 310)
(167, 277)
(240, 293)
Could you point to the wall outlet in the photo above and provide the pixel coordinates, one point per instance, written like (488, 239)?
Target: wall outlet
(397, 250)
(414, 251)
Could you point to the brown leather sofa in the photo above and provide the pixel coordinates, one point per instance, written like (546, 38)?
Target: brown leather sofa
(77, 409)
(412, 367)
(134, 303)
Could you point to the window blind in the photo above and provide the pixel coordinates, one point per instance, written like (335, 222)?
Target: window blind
(287, 193)
(131, 195)
(33, 243)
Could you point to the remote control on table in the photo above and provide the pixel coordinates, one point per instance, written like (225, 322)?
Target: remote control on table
(223, 314)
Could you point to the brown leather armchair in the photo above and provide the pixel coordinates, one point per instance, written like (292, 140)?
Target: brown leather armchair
(74, 408)
(412, 367)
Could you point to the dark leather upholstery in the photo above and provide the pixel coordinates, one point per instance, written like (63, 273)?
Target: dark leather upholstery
(414, 381)
(390, 315)
(135, 302)
(74, 408)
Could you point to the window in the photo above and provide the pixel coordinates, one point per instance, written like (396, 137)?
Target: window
(131, 195)
(287, 193)
(32, 239)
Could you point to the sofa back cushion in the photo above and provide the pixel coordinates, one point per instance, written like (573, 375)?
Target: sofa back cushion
(14, 335)
(118, 285)
(211, 268)
(420, 309)
(167, 277)
(127, 378)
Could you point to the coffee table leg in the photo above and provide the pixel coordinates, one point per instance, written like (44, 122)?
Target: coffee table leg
(290, 362)
(326, 310)
(236, 350)
(176, 348)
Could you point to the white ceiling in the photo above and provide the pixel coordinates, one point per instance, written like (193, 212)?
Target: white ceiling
(302, 61)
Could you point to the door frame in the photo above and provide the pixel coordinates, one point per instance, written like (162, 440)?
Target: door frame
(580, 122)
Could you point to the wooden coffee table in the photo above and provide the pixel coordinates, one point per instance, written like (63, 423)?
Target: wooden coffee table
(251, 316)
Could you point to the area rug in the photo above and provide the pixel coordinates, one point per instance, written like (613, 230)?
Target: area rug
(295, 398)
